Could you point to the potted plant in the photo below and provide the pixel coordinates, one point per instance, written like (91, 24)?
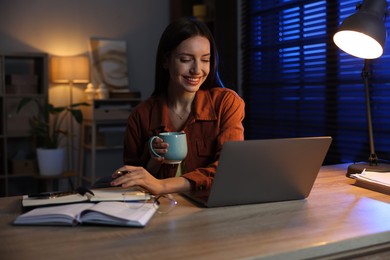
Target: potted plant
(47, 131)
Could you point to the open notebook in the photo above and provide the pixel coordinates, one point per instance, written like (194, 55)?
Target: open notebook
(270, 170)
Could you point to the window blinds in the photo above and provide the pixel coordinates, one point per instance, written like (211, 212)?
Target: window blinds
(297, 83)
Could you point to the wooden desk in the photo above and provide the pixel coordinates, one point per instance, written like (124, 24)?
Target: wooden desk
(337, 220)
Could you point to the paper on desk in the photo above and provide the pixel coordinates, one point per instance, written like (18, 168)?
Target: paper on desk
(382, 178)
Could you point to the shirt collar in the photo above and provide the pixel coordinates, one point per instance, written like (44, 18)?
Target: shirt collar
(203, 109)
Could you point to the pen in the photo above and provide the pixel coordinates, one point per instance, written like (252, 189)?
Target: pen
(120, 173)
(123, 172)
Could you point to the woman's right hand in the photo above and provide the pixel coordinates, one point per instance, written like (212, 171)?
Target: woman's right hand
(161, 148)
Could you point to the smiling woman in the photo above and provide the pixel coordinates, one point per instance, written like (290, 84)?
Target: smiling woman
(189, 98)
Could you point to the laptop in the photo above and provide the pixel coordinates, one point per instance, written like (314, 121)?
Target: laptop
(260, 171)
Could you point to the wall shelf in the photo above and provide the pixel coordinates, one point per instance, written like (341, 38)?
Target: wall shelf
(21, 75)
(102, 135)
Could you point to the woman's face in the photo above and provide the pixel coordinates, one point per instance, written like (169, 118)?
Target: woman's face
(189, 64)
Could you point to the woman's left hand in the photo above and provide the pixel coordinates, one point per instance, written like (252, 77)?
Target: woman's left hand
(137, 176)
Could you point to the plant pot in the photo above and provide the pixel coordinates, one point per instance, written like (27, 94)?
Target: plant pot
(51, 161)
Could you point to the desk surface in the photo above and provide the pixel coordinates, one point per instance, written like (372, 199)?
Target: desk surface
(337, 219)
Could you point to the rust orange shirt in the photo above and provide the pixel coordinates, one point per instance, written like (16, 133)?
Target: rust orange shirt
(216, 117)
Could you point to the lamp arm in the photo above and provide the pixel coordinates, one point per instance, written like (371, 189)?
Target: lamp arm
(373, 159)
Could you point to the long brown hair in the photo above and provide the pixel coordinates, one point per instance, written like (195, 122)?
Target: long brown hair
(174, 34)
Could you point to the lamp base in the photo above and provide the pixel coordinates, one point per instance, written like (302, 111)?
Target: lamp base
(359, 167)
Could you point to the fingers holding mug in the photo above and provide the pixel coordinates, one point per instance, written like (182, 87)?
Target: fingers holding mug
(157, 147)
(175, 150)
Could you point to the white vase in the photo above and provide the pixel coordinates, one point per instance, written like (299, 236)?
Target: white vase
(90, 92)
(51, 161)
(102, 92)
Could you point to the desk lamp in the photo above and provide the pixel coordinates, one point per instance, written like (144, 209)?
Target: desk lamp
(363, 35)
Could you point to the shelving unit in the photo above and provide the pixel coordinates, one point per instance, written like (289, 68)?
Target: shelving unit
(21, 75)
(101, 137)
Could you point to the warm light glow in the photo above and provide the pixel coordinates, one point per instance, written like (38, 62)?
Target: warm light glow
(358, 44)
(70, 69)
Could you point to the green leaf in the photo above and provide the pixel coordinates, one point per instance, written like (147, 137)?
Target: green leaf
(23, 103)
(77, 115)
(79, 104)
(50, 133)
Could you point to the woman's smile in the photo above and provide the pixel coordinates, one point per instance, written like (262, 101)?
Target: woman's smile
(193, 80)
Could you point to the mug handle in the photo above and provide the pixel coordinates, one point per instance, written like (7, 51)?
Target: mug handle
(151, 146)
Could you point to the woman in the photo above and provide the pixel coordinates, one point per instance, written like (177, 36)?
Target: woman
(189, 97)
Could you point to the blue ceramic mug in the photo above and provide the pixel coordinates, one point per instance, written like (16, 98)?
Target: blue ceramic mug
(177, 149)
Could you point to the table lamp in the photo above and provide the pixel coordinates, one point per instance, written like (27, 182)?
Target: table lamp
(363, 35)
(70, 70)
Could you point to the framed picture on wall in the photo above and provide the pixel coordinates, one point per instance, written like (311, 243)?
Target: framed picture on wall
(109, 64)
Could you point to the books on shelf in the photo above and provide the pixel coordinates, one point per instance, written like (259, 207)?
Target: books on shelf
(135, 214)
(96, 195)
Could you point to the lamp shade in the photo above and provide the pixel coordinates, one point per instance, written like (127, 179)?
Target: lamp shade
(363, 34)
(66, 69)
